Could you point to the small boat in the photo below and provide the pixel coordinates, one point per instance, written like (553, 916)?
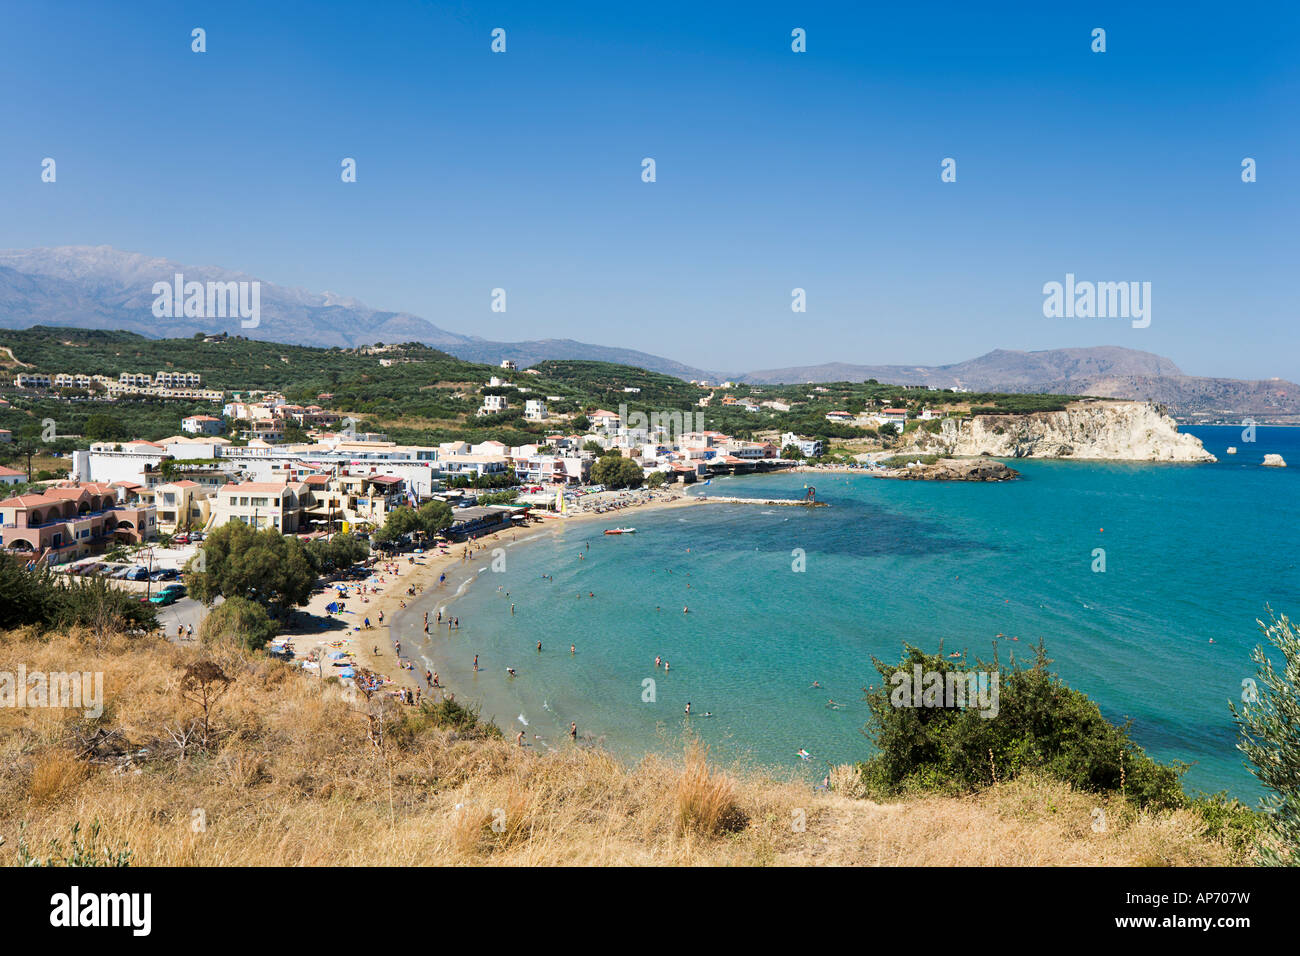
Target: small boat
(620, 531)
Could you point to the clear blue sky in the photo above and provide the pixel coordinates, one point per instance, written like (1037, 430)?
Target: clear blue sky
(775, 170)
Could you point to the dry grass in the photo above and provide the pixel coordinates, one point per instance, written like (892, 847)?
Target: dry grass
(293, 781)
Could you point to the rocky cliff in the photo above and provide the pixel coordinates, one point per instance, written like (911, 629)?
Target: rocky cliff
(1113, 431)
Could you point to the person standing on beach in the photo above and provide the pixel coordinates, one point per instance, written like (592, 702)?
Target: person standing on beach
(476, 663)
(519, 738)
(539, 647)
(573, 730)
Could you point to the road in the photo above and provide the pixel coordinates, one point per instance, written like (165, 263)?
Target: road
(187, 612)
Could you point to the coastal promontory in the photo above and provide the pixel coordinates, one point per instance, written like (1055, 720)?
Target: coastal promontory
(1087, 429)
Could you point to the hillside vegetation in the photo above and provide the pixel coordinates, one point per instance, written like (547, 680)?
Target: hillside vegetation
(428, 396)
(288, 775)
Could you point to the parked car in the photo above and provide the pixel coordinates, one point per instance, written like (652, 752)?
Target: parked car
(164, 597)
(138, 573)
(177, 589)
(121, 572)
(181, 539)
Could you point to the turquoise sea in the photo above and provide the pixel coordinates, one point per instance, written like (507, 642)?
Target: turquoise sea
(1192, 552)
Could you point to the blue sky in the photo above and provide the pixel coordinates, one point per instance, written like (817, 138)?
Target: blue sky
(775, 170)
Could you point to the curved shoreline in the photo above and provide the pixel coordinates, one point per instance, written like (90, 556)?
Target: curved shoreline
(461, 574)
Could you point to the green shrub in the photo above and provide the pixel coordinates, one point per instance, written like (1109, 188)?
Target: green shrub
(241, 622)
(1040, 724)
(1269, 723)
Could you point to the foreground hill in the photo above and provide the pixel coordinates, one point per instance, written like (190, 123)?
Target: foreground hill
(290, 778)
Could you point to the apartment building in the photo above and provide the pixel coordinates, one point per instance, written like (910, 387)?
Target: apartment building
(262, 504)
(72, 521)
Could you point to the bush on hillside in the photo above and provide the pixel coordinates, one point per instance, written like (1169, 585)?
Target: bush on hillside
(1268, 720)
(241, 622)
(1040, 724)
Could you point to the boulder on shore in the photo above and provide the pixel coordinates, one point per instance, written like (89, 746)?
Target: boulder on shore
(1274, 461)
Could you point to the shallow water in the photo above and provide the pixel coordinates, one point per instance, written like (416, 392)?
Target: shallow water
(1192, 552)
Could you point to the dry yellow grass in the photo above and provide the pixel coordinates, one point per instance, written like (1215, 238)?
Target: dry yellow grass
(293, 781)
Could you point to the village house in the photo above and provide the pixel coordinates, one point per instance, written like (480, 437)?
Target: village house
(202, 425)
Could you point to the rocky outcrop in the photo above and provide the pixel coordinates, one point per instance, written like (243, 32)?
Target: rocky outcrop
(950, 469)
(1104, 430)
(1274, 461)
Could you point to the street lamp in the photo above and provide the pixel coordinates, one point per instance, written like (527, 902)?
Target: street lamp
(148, 581)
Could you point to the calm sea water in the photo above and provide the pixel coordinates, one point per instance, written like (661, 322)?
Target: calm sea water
(1193, 552)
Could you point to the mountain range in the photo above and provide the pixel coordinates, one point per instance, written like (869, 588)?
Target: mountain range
(101, 287)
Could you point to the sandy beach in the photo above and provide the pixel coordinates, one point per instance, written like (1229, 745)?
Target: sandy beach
(316, 632)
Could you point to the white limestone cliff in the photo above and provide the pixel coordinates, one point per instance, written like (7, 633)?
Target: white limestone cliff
(1105, 430)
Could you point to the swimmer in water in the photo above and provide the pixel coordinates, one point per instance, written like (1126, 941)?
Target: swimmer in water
(658, 660)
(816, 683)
(573, 649)
(688, 708)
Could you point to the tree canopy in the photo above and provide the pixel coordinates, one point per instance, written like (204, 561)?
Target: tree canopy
(263, 566)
